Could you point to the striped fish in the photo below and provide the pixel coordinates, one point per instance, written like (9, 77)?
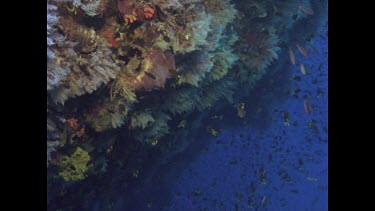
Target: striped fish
(302, 50)
(303, 69)
(306, 10)
(291, 56)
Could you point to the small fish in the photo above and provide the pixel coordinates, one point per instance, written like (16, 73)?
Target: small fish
(182, 124)
(166, 39)
(232, 162)
(314, 49)
(220, 117)
(308, 108)
(264, 201)
(150, 75)
(285, 115)
(212, 131)
(297, 78)
(250, 201)
(312, 179)
(173, 71)
(303, 69)
(113, 42)
(291, 56)
(241, 112)
(306, 10)
(294, 191)
(263, 175)
(302, 50)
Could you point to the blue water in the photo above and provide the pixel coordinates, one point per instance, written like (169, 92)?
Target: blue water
(293, 157)
(256, 163)
(275, 158)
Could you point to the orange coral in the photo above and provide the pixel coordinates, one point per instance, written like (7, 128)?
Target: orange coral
(109, 36)
(81, 132)
(149, 12)
(130, 18)
(72, 122)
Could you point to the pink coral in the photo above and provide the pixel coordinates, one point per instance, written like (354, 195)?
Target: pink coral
(149, 12)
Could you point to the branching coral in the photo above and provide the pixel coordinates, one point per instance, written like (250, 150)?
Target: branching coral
(259, 50)
(195, 35)
(91, 7)
(141, 120)
(194, 66)
(157, 129)
(187, 99)
(222, 89)
(223, 13)
(180, 101)
(55, 73)
(87, 61)
(108, 115)
(224, 57)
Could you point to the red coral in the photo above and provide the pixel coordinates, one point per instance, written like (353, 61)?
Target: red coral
(149, 12)
(72, 122)
(159, 72)
(259, 46)
(109, 36)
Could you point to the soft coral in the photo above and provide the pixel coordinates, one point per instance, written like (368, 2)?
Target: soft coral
(158, 64)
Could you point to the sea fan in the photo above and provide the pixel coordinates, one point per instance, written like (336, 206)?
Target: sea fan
(194, 66)
(156, 69)
(223, 13)
(194, 36)
(108, 115)
(259, 51)
(180, 100)
(141, 120)
(224, 57)
(85, 60)
(211, 93)
(156, 130)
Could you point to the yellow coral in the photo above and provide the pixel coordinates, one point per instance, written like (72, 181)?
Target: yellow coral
(74, 167)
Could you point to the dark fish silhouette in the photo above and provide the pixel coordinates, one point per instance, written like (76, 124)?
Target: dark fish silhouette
(150, 75)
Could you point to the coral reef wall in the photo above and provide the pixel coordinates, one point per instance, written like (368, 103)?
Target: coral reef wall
(126, 72)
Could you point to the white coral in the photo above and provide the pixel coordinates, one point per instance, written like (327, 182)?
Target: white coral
(90, 8)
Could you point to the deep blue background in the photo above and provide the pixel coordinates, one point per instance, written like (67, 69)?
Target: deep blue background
(294, 157)
(224, 172)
